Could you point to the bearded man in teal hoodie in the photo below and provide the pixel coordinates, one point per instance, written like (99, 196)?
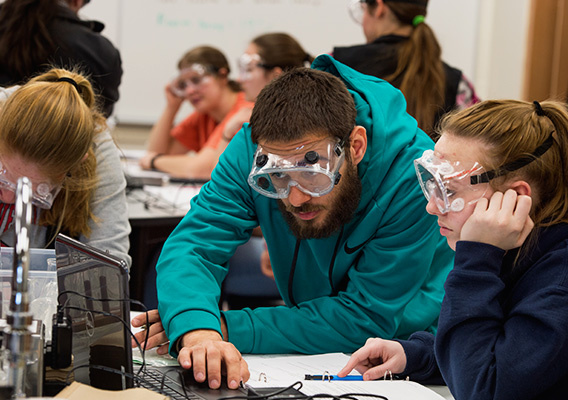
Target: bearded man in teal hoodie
(325, 169)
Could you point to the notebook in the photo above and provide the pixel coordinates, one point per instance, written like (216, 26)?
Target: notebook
(102, 354)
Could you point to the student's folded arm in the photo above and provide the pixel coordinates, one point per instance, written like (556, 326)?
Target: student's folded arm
(487, 351)
(189, 166)
(421, 365)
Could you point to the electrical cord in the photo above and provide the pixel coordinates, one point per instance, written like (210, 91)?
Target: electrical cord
(138, 377)
(105, 313)
(150, 200)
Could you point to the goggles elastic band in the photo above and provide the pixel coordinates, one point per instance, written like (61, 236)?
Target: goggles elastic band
(435, 175)
(514, 165)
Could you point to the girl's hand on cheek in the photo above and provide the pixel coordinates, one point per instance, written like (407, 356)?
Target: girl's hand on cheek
(172, 99)
(502, 221)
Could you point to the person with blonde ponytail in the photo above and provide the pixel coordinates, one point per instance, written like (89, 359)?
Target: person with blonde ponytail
(52, 132)
(402, 49)
(498, 182)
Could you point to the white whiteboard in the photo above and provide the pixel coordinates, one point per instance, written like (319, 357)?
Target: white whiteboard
(153, 34)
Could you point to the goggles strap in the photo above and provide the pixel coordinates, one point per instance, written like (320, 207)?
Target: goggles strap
(514, 165)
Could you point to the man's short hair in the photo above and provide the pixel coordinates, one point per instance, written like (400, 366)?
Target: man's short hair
(301, 102)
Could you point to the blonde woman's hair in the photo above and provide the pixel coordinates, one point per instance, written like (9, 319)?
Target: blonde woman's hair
(52, 121)
(511, 130)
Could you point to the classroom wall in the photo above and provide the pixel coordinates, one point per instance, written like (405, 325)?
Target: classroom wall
(501, 50)
(153, 34)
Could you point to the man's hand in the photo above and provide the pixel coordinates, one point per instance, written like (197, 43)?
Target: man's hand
(376, 358)
(210, 356)
(154, 330)
(503, 221)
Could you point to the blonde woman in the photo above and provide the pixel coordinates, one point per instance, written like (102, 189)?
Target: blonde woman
(52, 132)
(498, 184)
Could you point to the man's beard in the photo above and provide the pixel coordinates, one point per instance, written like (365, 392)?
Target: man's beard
(340, 211)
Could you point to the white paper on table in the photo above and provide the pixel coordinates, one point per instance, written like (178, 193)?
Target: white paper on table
(285, 370)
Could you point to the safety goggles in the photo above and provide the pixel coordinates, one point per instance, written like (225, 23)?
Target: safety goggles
(449, 184)
(43, 193)
(193, 76)
(313, 169)
(453, 186)
(247, 63)
(357, 8)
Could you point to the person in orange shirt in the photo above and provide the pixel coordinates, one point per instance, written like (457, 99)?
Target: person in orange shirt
(204, 82)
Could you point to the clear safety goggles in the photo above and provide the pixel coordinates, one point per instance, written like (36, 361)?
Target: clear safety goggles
(357, 8)
(247, 63)
(313, 169)
(450, 184)
(43, 193)
(453, 186)
(192, 76)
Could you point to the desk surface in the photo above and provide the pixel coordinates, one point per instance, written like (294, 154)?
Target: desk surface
(156, 202)
(154, 359)
(154, 212)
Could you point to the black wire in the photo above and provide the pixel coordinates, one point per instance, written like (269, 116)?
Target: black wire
(274, 395)
(374, 396)
(164, 376)
(262, 396)
(345, 396)
(135, 377)
(150, 200)
(127, 325)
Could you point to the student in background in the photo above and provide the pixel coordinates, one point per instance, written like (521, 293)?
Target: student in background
(498, 182)
(51, 132)
(36, 35)
(204, 82)
(326, 177)
(265, 58)
(402, 49)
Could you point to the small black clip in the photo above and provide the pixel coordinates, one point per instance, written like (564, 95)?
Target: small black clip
(312, 157)
(261, 160)
(538, 109)
(337, 178)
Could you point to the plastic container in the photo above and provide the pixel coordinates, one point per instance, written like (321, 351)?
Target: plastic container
(42, 284)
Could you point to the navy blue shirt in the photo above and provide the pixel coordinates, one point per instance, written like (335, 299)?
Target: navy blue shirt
(503, 328)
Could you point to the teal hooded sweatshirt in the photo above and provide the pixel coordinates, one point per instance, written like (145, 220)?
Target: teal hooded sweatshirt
(382, 275)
